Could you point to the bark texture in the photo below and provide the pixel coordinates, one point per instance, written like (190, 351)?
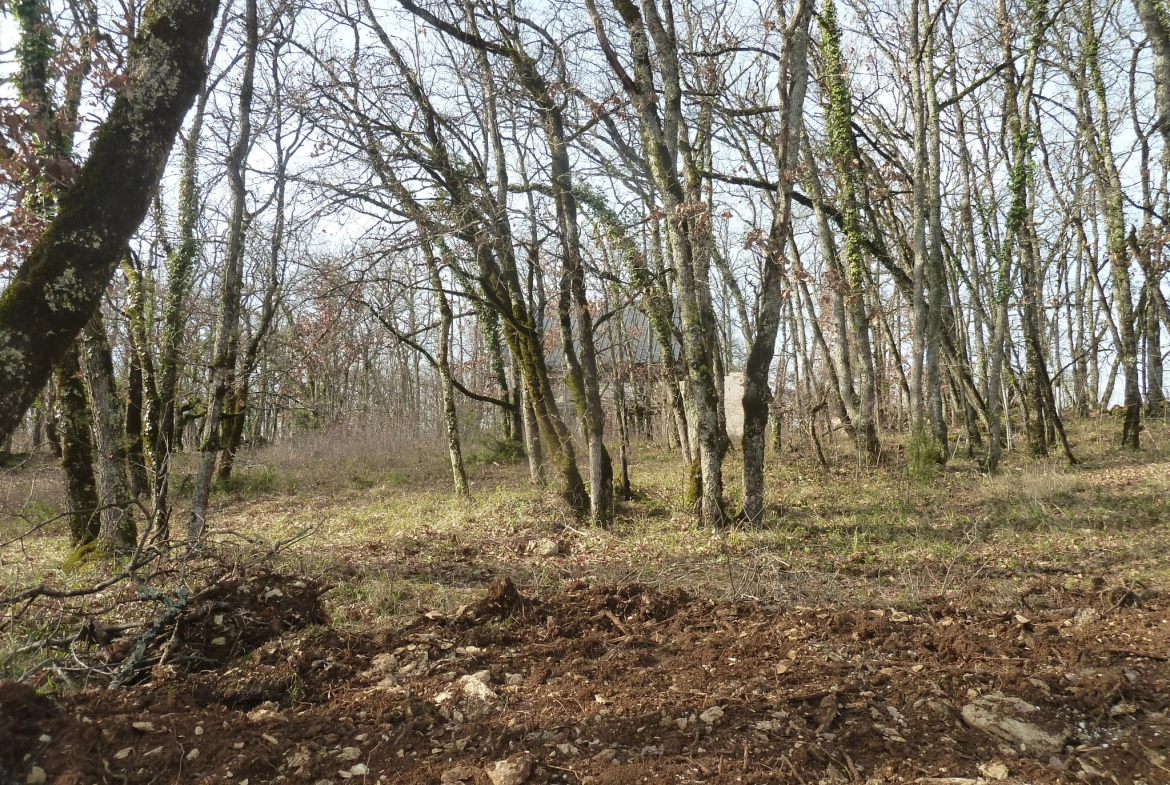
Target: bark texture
(59, 285)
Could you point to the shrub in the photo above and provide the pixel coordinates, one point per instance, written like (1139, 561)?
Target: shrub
(923, 454)
(502, 451)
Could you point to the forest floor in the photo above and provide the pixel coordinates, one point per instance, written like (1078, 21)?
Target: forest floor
(877, 627)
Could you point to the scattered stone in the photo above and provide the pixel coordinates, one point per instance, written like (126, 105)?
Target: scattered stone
(198, 730)
(124, 753)
(193, 754)
(145, 727)
(476, 686)
(546, 548)
(889, 733)
(36, 776)
(994, 770)
(349, 753)
(605, 756)
(384, 664)
(514, 679)
(1085, 616)
(45, 738)
(459, 774)
(1122, 709)
(999, 715)
(268, 710)
(713, 715)
(826, 712)
(513, 771)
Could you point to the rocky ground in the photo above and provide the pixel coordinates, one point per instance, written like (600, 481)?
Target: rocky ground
(618, 684)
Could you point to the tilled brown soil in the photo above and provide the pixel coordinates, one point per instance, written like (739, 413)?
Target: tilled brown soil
(628, 685)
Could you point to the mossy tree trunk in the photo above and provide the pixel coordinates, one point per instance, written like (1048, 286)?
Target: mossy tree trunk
(118, 530)
(224, 356)
(270, 300)
(1113, 207)
(846, 160)
(73, 429)
(1019, 140)
(495, 259)
(142, 408)
(59, 285)
(450, 415)
(665, 145)
(34, 53)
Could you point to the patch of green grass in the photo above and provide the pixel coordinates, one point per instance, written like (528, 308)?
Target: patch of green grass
(247, 481)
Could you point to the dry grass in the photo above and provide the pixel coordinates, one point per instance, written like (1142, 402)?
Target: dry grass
(390, 535)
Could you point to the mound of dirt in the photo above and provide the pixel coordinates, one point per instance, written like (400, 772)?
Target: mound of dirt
(624, 684)
(503, 601)
(22, 711)
(236, 616)
(228, 618)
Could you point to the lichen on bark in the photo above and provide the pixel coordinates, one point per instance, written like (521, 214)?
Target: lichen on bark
(56, 289)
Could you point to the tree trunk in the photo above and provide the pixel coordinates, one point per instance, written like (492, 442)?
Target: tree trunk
(450, 416)
(118, 531)
(223, 364)
(142, 410)
(73, 428)
(60, 283)
(844, 153)
(792, 81)
(664, 140)
(936, 275)
(1113, 203)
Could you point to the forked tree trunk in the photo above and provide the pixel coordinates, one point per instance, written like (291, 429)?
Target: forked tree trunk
(792, 81)
(664, 140)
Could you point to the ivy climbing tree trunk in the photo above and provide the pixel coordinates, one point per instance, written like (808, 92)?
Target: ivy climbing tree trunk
(1019, 141)
(34, 52)
(58, 286)
(846, 160)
